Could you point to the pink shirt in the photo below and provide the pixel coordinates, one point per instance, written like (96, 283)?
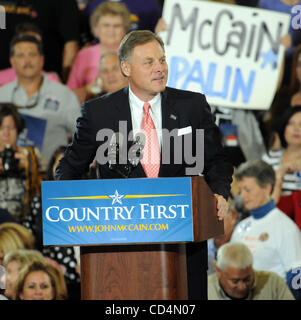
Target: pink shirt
(9, 75)
(85, 67)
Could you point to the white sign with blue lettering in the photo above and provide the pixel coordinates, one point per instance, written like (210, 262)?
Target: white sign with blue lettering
(230, 53)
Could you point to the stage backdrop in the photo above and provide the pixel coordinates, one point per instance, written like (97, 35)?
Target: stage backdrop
(230, 53)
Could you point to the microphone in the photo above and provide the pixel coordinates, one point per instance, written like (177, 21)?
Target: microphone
(114, 156)
(135, 151)
(125, 167)
(113, 150)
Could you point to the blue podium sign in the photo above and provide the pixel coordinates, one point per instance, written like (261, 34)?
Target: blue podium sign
(117, 211)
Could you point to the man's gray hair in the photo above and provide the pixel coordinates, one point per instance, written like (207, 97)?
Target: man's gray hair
(136, 38)
(258, 169)
(105, 55)
(234, 254)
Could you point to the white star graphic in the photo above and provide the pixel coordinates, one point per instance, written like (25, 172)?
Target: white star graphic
(116, 197)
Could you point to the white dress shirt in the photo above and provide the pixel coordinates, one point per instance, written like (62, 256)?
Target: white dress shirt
(136, 106)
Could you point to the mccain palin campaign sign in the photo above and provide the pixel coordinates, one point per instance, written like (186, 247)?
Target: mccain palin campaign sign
(233, 54)
(117, 211)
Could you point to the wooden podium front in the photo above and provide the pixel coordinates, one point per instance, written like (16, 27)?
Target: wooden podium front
(148, 271)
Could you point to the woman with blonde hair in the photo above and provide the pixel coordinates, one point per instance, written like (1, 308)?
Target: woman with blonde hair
(40, 282)
(60, 283)
(14, 236)
(14, 262)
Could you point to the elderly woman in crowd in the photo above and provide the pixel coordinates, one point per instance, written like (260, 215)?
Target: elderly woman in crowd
(273, 238)
(109, 22)
(19, 167)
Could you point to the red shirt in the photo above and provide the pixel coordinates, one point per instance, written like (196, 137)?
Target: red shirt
(291, 205)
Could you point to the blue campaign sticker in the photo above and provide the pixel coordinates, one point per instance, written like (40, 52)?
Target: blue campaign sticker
(117, 211)
(51, 104)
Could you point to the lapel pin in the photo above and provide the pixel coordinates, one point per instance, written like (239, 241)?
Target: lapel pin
(173, 117)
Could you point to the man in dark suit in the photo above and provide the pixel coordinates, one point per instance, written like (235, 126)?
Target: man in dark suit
(142, 61)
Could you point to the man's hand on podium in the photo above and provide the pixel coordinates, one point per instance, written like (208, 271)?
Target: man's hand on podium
(222, 206)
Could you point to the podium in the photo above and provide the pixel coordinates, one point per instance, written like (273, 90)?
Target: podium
(155, 271)
(134, 234)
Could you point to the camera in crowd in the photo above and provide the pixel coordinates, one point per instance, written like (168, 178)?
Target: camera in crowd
(9, 162)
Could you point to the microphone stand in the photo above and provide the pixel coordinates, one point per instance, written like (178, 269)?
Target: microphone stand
(133, 158)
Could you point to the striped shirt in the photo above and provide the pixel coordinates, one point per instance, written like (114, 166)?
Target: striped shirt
(291, 181)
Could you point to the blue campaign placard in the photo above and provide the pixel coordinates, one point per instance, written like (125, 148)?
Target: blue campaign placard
(33, 134)
(117, 211)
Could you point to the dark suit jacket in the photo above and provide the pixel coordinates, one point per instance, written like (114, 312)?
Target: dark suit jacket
(180, 109)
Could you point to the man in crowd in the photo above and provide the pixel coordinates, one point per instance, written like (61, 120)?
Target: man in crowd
(235, 278)
(49, 108)
(58, 21)
(110, 77)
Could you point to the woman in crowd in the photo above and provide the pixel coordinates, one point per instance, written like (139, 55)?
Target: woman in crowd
(287, 161)
(14, 262)
(109, 22)
(273, 238)
(19, 167)
(14, 236)
(40, 282)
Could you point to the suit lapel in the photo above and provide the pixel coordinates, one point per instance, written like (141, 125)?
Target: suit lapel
(124, 110)
(170, 118)
(170, 121)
